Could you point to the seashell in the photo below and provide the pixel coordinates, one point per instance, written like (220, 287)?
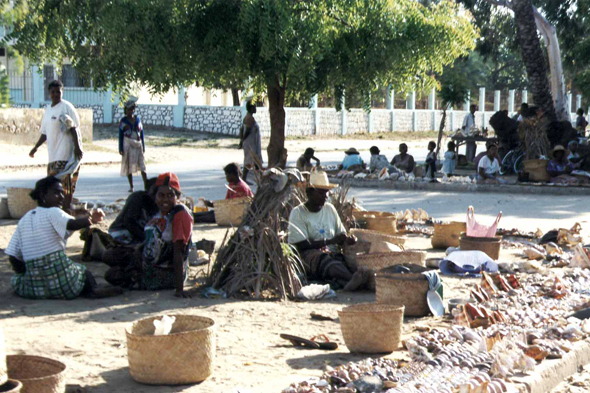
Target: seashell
(536, 352)
(470, 335)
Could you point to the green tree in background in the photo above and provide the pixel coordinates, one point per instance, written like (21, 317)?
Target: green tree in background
(277, 46)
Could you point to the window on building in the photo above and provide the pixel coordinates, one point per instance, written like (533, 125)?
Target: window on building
(70, 78)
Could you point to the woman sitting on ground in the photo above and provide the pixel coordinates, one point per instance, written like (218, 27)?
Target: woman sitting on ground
(37, 249)
(488, 169)
(404, 161)
(352, 161)
(378, 161)
(560, 168)
(163, 262)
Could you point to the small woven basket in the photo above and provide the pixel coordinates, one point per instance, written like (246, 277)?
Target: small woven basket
(367, 235)
(537, 170)
(380, 261)
(490, 245)
(185, 356)
(383, 222)
(447, 235)
(371, 327)
(351, 252)
(19, 201)
(37, 374)
(11, 386)
(408, 289)
(231, 212)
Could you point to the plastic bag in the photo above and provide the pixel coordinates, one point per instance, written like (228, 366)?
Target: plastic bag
(475, 229)
(164, 325)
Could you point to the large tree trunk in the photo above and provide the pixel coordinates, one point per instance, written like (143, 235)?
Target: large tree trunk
(532, 56)
(235, 96)
(441, 129)
(277, 154)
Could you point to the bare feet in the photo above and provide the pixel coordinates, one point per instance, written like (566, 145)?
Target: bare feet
(102, 292)
(358, 279)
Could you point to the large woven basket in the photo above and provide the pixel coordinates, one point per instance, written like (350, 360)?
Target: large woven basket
(19, 201)
(380, 261)
(351, 252)
(447, 235)
(37, 374)
(367, 235)
(384, 222)
(537, 170)
(11, 386)
(184, 356)
(489, 245)
(371, 327)
(407, 289)
(231, 212)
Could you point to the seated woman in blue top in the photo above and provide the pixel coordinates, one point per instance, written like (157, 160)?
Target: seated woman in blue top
(352, 161)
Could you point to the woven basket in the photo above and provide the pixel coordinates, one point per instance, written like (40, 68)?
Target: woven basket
(371, 327)
(366, 235)
(185, 356)
(19, 201)
(362, 215)
(537, 170)
(407, 289)
(385, 224)
(489, 245)
(231, 212)
(380, 261)
(351, 252)
(37, 374)
(448, 234)
(11, 386)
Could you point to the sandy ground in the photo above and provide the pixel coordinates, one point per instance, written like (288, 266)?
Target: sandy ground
(89, 336)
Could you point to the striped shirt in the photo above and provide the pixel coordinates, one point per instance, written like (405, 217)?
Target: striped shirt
(40, 232)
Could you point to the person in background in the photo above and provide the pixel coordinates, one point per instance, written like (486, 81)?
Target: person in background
(37, 249)
(488, 169)
(430, 163)
(578, 160)
(467, 130)
(132, 145)
(162, 262)
(524, 107)
(352, 161)
(64, 143)
(560, 169)
(404, 161)
(304, 161)
(581, 123)
(448, 167)
(378, 161)
(481, 155)
(250, 141)
(317, 231)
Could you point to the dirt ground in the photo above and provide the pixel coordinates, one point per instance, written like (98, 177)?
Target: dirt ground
(89, 336)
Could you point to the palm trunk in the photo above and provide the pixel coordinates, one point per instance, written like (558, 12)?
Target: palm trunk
(277, 154)
(532, 55)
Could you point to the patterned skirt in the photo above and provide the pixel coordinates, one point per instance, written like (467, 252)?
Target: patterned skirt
(53, 276)
(69, 181)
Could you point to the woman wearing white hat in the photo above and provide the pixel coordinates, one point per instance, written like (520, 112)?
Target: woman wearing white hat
(560, 168)
(317, 231)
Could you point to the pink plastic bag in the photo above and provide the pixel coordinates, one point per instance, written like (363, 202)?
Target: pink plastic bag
(475, 229)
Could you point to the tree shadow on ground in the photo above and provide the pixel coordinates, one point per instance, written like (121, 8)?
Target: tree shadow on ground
(121, 378)
(317, 359)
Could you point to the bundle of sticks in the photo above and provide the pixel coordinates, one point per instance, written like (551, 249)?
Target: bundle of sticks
(255, 258)
(534, 137)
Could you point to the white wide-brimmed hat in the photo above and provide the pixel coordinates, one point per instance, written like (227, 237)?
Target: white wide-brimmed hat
(319, 179)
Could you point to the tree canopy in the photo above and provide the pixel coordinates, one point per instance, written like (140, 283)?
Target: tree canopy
(278, 47)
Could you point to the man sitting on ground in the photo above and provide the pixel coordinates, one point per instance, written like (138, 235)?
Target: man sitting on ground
(304, 162)
(403, 161)
(317, 231)
(378, 161)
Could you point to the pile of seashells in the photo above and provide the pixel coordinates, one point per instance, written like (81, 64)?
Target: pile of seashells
(535, 324)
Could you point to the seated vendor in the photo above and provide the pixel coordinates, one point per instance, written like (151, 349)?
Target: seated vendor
(403, 161)
(578, 160)
(352, 161)
(378, 161)
(560, 169)
(128, 227)
(317, 231)
(162, 261)
(481, 155)
(488, 168)
(37, 250)
(304, 162)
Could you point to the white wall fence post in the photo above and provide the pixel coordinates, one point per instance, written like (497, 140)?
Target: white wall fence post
(391, 108)
(370, 119)
(432, 107)
(313, 104)
(569, 102)
(510, 102)
(343, 110)
(411, 105)
(525, 97)
(578, 102)
(482, 105)
(107, 107)
(467, 102)
(178, 109)
(497, 99)
(38, 88)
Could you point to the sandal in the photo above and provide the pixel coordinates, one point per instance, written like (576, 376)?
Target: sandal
(301, 342)
(326, 344)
